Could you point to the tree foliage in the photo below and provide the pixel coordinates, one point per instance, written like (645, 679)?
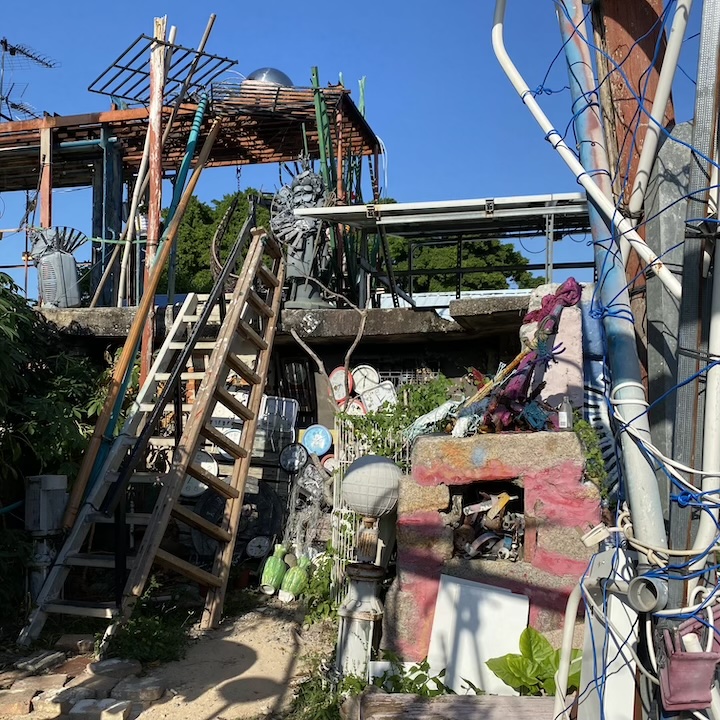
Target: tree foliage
(46, 393)
(195, 236)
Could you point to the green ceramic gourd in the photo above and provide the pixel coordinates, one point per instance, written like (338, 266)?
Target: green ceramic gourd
(274, 571)
(295, 580)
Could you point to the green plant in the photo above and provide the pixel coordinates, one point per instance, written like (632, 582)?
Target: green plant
(157, 632)
(15, 551)
(318, 597)
(532, 672)
(415, 679)
(594, 463)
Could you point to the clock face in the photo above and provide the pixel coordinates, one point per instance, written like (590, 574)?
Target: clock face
(193, 488)
(365, 377)
(295, 373)
(258, 547)
(293, 457)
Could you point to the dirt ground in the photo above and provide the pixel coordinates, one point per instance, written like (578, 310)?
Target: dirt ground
(246, 668)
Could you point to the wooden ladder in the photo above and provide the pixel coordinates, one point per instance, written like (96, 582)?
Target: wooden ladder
(239, 353)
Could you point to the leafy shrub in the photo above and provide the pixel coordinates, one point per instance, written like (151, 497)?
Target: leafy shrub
(532, 672)
(318, 597)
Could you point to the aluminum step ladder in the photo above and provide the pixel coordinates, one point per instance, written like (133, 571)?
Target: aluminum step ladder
(172, 416)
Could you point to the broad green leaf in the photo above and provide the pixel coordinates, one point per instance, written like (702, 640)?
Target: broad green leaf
(500, 666)
(520, 667)
(548, 686)
(535, 647)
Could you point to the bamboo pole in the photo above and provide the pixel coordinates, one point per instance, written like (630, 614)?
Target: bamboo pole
(129, 349)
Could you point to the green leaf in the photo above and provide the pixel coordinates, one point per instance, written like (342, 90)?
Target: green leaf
(535, 647)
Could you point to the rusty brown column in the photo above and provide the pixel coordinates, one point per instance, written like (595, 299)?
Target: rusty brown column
(46, 182)
(618, 25)
(157, 79)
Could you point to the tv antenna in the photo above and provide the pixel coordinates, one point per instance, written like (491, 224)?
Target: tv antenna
(14, 57)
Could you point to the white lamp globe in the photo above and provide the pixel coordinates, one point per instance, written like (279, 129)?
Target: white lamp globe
(371, 485)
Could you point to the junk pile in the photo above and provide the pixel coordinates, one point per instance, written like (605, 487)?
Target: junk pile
(361, 390)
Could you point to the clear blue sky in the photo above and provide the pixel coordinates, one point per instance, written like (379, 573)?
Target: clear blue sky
(452, 124)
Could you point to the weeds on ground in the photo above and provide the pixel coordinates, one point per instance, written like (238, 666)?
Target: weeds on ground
(156, 633)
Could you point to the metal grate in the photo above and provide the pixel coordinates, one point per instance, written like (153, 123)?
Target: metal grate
(128, 78)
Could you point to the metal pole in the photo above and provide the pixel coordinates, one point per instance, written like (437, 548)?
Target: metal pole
(627, 391)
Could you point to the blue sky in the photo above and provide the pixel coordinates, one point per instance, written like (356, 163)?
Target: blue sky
(452, 124)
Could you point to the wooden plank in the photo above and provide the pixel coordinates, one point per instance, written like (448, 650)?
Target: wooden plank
(242, 369)
(184, 514)
(86, 609)
(220, 487)
(259, 304)
(94, 560)
(396, 706)
(249, 333)
(229, 401)
(172, 562)
(268, 279)
(221, 440)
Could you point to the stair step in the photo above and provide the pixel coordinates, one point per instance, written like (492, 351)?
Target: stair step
(242, 369)
(259, 304)
(172, 562)
(149, 407)
(197, 375)
(221, 440)
(250, 334)
(162, 441)
(106, 610)
(130, 518)
(94, 560)
(140, 477)
(220, 487)
(229, 401)
(200, 346)
(267, 277)
(272, 247)
(183, 513)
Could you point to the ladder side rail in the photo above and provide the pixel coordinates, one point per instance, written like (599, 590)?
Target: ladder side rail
(137, 453)
(215, 597)
(185, 452)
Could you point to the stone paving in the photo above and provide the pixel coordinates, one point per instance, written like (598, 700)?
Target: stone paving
(49, 685)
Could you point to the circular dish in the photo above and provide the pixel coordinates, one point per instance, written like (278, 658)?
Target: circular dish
(330, 463)
(365, 377)
(293, 457)
(317, 439)
(337, 383)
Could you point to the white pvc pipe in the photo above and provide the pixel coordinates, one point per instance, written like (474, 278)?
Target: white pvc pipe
(662, 96)
(563, 671)
(603, 202)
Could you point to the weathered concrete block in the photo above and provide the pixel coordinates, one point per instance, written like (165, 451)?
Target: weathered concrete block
(42, 660)
(115, 667)
(40, 683)
(413, 497)
(442, 459)
(76, 643)
(99, 685)
(15, 702)
(106, 709)
(75, 665)
(53, 703)
(146, 689)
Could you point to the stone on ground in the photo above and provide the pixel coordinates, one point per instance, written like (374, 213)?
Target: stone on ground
(75, 665)
(8, 677)
(146, 689)
(99, 685)
(15, 703)
(40, 683)
(105, 709)
(74, 642)
(40, 661)
(115, 667)
(53, 703)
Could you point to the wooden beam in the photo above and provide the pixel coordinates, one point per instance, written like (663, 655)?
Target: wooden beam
(46, 177)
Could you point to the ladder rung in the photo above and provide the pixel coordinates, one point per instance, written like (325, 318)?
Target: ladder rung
(267, 277)
(199, 375)
(259, 304)
(140, 477)
(251, 335)
(221, 440)
(242, 369)
(94, 560)
(229, 401)
(149, 407)
(130, 518)
(172, 562)
(220, 487)
(78, 607)
(159, 441)
(272, 247)
(183, 513)
(200, 346)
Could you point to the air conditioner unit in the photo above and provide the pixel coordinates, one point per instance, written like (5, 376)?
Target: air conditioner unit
(58, 280)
